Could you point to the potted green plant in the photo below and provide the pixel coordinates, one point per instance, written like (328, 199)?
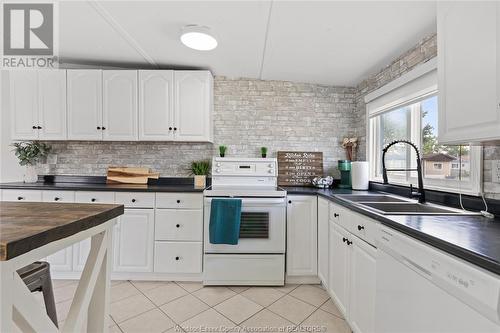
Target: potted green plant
(222, 150)
(263, 152)
(30, 153)
(200, 170)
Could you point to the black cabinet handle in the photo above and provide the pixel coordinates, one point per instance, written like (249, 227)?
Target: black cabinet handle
(177, 258)
(57, 199)
(170, 128)
(178, 201)
(39, 127)
(103, 128)
(335, 215)
(93, 199)
(289, 201)
(98, 127)
(361, 227)
(177, 225)
(133, 200)
(20, 198)
(34, 127)
(344, 239)
(349, 242)
(175, 128)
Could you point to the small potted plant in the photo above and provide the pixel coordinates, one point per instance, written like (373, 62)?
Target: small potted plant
(200, 170)
(30, 153)
(222, 150)
(263, 152)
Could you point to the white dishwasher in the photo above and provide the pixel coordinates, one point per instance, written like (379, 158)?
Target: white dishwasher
(423, 290)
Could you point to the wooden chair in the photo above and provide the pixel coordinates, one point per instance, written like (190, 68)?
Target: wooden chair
(37, 278)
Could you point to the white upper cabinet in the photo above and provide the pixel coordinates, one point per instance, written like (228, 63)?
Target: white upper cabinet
(24, 104)
(52, 105)
(193, 106)
(119, 105)
(302, 234)
(38, 104)
(468, 69)
(84, 97)
(156, 93)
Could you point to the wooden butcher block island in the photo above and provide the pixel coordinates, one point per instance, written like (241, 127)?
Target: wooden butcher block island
(31, 231)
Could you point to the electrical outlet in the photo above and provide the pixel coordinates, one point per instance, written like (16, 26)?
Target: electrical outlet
(495, 171)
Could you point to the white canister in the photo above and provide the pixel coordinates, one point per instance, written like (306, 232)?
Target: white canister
(359, 175)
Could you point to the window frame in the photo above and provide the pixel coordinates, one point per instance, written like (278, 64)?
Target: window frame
(471, 187)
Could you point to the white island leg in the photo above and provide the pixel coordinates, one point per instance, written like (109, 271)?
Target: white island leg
(6, 289)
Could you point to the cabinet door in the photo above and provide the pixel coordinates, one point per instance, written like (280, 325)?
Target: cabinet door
(467, 63)
(193, 106)
(119, 105)
(24, 104)
(302, 233)
(84, 95)
(52, 102)
(156, 92)
(134, 241)
(362, 289)
(61, 261)
(323, 210)
(81, 251)
(339, 268)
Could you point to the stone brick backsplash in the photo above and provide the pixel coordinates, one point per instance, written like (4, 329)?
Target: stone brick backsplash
(249, 114)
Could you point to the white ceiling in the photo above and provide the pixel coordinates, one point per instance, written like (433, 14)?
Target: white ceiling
(328, 42)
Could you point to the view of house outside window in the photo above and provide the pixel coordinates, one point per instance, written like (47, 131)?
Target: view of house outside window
(448, 167)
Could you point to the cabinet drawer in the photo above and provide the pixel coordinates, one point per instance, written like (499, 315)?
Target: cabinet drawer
(179, 225)
(363, 227)
(336, 212)
(21, 195)
(179, 200)
(95, 197)
(58, 196)
(135, 199)
(178, 257)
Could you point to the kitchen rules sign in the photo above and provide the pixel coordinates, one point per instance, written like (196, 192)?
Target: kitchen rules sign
(299, 168)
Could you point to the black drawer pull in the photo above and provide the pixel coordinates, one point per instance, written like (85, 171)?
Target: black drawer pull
(103, 128)
(170, 128)
(175, 128)
(178, 201)
(361, 227)
(177, 258)
(34, 127)
(57, 199)
(39, 127)
(344, 239)
(20, 198)
(93, 199)
(349, 242)
(177, 225)
(98, 127)
(133, 200)
(289, 201)
(335, 215)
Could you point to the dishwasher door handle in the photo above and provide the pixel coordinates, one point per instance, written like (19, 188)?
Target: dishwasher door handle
(416, 267)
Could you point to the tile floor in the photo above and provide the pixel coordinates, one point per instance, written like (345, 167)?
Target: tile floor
(146, 306)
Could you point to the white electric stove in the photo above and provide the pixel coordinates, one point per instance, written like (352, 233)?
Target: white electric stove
(259, 256)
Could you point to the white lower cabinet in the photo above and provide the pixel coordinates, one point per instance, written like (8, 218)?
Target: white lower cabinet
(363, 286)
(133, 241)
(323, 236)
(302, 236)
(338, 285)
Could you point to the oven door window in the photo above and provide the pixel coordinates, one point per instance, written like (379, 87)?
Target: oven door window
(254, 225)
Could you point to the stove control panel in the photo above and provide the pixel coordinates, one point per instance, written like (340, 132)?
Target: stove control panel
(249, 167)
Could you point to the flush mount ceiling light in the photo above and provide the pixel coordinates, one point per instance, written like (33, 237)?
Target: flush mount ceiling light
(198, 37)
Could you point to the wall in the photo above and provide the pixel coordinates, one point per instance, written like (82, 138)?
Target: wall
(248, 114)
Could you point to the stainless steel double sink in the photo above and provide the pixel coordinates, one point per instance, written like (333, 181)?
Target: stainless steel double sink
(394, 205)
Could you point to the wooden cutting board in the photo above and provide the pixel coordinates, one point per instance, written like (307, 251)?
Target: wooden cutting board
(130, 175)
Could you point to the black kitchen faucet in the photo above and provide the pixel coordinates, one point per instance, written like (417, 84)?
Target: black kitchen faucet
(421, 193)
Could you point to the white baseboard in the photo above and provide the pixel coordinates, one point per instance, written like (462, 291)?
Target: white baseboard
(302, 279)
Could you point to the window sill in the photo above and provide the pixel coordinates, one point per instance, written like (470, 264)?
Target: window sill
(466, 191)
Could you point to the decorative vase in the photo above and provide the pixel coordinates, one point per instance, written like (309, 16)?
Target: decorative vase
(200, 181)
(30, 174)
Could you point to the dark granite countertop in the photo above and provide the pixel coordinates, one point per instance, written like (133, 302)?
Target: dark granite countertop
(101, 187)
(475, 239)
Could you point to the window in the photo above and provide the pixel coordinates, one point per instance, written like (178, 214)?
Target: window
(410, 112)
